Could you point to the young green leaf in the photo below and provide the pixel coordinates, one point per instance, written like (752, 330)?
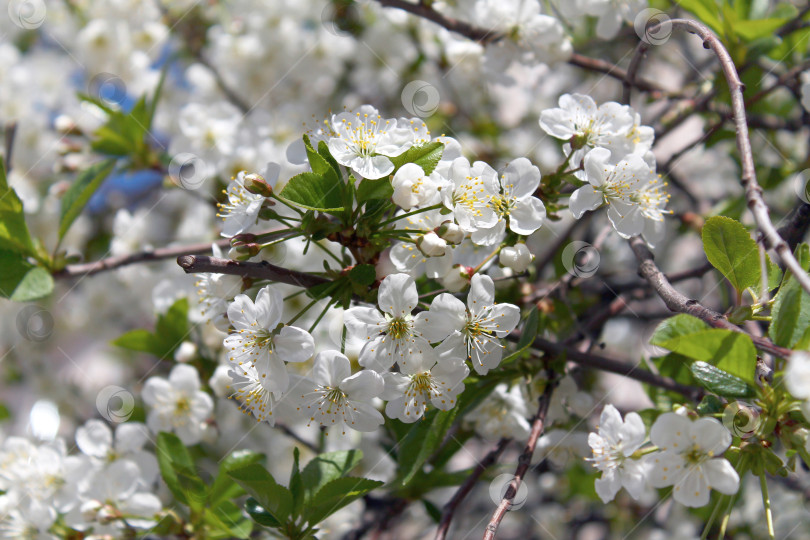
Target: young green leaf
(178, 471)
(679, 325)
(337, 494)
(720, 382)
(80, 192)
(224, 488)
(260, 484)
(733, 352)
(14, 234)
(374, 189)
(314, 192)
(326, 467)
(426, 156)
(730, 248)
(20, 280)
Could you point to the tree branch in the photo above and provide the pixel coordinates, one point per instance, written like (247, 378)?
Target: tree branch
(753, 191)
(484, 37)
(159, 254)
(525, 459)
(679, 303)
(466, 487)
(194, 264)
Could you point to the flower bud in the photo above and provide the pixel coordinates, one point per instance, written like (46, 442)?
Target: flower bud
(257, 185)
(186, 352)
(243, 252)
(517, 257)
(431, 245)
(457, 279)
(243, 239)
(450, 232)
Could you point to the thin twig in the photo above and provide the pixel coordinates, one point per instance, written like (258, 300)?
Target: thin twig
(525, 459)
(753, 191)
(296, 437)
(111, 263)
(466, 487)
(194, 264)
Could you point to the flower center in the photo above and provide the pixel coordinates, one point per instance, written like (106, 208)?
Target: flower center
(399, 328)
(182, 406)
(696, 455)
(332, 396)
(422, 383)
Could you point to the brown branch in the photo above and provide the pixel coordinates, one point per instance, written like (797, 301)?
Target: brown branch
(525, 459)
(484, 37)
(753, 191)
(625, 369)
(111, 263)
(679, 303)
(466, 487)
(795, 229)
(194, 264)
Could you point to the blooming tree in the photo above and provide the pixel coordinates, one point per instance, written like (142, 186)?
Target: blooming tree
(327, 269)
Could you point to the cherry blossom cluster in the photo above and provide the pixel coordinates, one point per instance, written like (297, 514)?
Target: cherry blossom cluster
(108, 488)
(686, 454)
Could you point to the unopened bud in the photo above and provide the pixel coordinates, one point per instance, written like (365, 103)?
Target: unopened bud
(517, 257)
(450, 232)
(244, 252)
(431, 245)
(457, 279)
(186, 352)
(255, 184)
(242, 239)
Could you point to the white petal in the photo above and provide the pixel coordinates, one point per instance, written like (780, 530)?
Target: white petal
(293, 344)
(446, 315)
(94, 438)
(397, 295)
(722, 476)
(363, 386)
(184, 378)
(482, 293)
(584, 199)
(527, 216)
(670, 431)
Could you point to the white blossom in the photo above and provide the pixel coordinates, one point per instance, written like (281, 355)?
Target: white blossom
(365, 141)
(517, 257)
(689, 458)
(473, 331)
(258, 340)
(241, 212)
(177, 404)
(330, 395)
(613, 447)
(420, 382)
(391, 333)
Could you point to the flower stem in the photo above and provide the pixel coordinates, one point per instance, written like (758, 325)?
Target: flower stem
(306, 308)
(409, 214)
(766, 502)
(485, 261)
(712, 517)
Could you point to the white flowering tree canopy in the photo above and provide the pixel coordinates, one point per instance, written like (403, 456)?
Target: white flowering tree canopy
(345, 269)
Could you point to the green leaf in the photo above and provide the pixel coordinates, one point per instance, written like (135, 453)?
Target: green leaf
(178, 471)
(426, 156)
(224, 487)
(260, 515)
(80, 192)
(733, 352)
(679, 325)
(226, 521)
(774, 274)
(363, 274)
(758, 28)
(730, 248)
(337, 494)
(260, 484)
(296, 484)
(137, 340)
(720, 382)
(314, 192)
(20, 280)
(790, 314)
(422, 441)
(706, 11)
(374, 189)
(14, 234)
(327, 467)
